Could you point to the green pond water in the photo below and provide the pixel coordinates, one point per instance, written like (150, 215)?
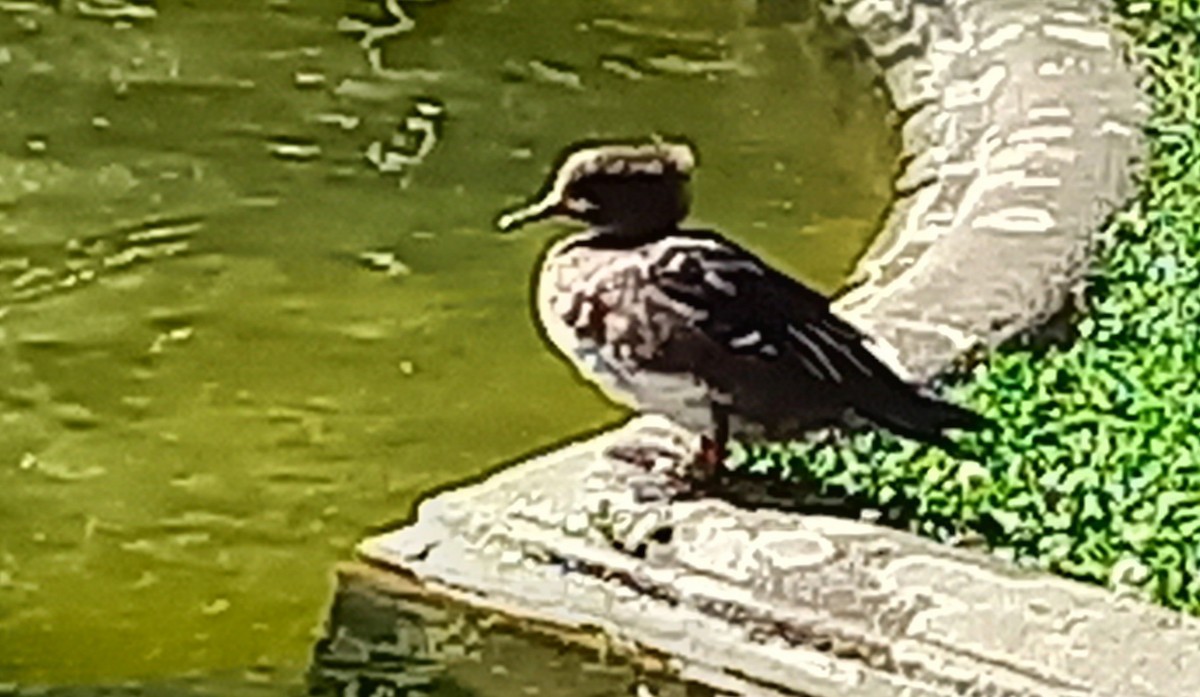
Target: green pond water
(252, 306)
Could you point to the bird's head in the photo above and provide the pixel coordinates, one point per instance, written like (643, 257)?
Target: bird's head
(617, 189)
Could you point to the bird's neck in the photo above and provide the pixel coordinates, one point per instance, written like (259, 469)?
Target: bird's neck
(621, 237)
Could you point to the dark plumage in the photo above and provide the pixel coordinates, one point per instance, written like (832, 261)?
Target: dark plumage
(688, 324)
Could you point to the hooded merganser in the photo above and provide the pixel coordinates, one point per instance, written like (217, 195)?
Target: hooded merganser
(687, 324)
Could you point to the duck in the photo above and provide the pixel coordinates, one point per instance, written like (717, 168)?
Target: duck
(687, 324)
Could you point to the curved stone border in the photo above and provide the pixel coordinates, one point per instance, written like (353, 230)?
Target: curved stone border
(1021, 127)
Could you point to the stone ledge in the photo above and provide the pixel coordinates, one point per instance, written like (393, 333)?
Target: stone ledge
(1021, 129)
(758, 601)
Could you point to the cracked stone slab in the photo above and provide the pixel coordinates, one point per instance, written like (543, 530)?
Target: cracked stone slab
(759, 601)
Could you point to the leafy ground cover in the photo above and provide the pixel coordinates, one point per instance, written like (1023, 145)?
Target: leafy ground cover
(1094, 468)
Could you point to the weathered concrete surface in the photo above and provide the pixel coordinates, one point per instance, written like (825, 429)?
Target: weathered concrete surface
(761, 602)
(1021, 125)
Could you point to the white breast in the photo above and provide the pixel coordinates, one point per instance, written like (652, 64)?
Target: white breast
(597, 310)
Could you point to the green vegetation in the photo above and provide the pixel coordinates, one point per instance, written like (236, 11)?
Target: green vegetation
(1094, 468)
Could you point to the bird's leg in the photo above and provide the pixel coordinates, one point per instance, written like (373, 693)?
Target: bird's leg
(714, 450)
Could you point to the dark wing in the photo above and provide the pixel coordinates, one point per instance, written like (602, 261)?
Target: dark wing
(749, 309)
(799, 352)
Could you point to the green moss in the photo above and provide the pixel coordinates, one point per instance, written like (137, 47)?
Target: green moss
(1094, 468)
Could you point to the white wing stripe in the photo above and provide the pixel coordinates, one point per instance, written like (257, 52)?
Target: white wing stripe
(836, 345)
(817, 353)
(714, 279)
(745, 340)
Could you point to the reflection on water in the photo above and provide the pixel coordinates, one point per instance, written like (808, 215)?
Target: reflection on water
(382, 638)
(251, 305)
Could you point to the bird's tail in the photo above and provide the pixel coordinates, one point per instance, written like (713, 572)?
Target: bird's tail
(913, 415)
